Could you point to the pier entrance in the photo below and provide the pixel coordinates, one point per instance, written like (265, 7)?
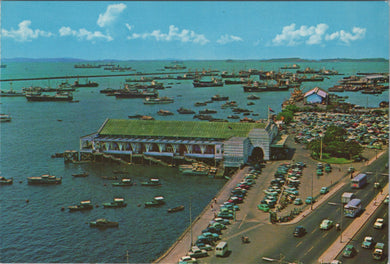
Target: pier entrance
(257, 155)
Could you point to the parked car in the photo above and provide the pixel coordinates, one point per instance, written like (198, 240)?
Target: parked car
(349, 251)
(324, 190)
(326, 224)
(195, 252)
(309, 200)
(263, 207)
(386, 200)
(299, 231)
(298, 201)
(187, 259)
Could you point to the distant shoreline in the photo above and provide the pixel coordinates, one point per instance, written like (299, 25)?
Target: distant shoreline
(286, 60)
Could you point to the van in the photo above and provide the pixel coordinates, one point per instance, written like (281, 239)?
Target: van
(221, 249)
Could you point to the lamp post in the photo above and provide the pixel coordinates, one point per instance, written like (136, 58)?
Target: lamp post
(321, 146)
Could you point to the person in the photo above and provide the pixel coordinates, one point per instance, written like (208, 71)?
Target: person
(337, 226)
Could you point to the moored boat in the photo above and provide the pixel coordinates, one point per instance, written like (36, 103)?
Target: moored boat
(4, 181)
(164, 112)
(123, 182)
(207, 111)
(77, 84)
(117, 203)
(152, 182)
(218, 97)
(84, 174)
(84, 205)
(157, 201)
(176, 209)
(213, 83)
(5, 118)
(183, 110)
(44, 179)
(158, 100)
(11, 93)
(48, 98)
(103, 223)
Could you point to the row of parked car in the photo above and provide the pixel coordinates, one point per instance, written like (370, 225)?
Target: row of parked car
(285, 183)
(207, 240)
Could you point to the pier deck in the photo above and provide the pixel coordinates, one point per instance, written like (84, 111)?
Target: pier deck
(182, 245)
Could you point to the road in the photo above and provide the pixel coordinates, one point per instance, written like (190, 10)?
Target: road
(277, 242)
(379, 235)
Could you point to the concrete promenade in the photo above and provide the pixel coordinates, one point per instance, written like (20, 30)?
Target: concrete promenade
(347, 235)
(182, 245)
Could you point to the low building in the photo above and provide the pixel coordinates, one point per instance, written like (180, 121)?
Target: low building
(316, 96)
(234, 144)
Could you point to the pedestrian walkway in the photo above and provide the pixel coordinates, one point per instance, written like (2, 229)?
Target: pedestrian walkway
(182, 245)
(347, 235)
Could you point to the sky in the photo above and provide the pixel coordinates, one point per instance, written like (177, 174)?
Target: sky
(136, 30)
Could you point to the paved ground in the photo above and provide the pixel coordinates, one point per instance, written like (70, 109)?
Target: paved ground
(250, 216)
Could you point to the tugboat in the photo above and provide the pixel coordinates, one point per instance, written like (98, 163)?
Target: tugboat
(117, 203)
(123, 182)
(152, 182)
(103, 223)
(4, 181)
(157, 201)
(84, 205)
(44, 179)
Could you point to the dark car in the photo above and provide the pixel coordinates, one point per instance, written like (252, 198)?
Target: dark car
(299, 231)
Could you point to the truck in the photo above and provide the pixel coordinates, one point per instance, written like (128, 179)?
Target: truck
(378, 251)
(347, 197)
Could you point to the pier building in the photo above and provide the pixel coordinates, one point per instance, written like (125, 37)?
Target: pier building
(233, 144)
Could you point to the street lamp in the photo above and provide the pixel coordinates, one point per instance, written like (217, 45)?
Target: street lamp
(321, 135)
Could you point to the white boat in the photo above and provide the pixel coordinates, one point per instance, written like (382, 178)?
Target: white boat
(5, 118)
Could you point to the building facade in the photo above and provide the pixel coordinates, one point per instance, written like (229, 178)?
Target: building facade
(231, 143)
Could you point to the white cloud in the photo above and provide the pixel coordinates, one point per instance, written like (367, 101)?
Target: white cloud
(228, 38)
(82, 34)
(310, 35)
(347, 37)
(24, 32)
(129, 27)
(110, 15)
(173, 35)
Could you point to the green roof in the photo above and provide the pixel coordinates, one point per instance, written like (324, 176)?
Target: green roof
(180, 129)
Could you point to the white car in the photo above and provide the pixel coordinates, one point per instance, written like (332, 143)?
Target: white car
(187, 259)
(378, 223)
(326, 224)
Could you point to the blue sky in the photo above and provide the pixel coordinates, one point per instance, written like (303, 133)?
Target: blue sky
(194, 30)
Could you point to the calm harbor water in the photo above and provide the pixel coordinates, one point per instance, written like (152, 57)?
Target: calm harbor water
(38, 231)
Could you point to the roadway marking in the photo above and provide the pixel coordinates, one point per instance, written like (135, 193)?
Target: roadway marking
(312, 232)
(242, 221)
(309, 250)
(299, 244)
(325, 234)
(384, 216)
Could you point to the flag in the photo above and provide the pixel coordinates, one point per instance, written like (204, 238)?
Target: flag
(270, 109)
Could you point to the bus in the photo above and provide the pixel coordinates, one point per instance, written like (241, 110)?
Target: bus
(359, 181)
(352, 208)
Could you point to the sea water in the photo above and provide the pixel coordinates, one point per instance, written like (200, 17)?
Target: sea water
(39, 231)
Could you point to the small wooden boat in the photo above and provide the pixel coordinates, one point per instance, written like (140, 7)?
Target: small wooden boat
(176, 209)
(151, 182)
(117, 203)
(84, 205)
(84, 174)
(103, 223)
(157, 201)
(123, 182)
(5, 181)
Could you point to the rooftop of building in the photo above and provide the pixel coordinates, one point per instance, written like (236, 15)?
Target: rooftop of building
(177, 129)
